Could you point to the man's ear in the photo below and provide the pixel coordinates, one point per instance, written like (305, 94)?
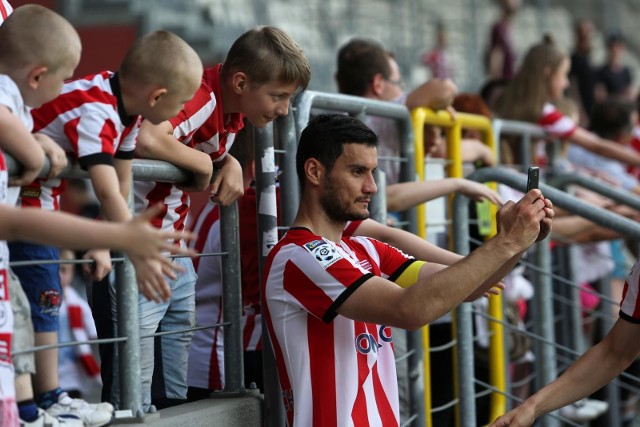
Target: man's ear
(35, 75)
(377, 85)
(156, 95)
(314, 171)
(240, 82)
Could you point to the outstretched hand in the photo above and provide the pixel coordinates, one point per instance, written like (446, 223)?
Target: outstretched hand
(480, 192)
(522, 416)
(145, 248)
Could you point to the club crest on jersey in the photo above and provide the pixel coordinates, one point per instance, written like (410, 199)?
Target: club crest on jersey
(324, 252)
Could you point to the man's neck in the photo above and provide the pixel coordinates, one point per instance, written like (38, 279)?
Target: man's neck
(316, 220)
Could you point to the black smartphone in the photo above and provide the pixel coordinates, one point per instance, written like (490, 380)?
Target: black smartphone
(533, 178)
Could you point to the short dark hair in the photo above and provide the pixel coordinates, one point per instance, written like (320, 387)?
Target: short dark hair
(324, 137)
(611, 118)
(358, 62)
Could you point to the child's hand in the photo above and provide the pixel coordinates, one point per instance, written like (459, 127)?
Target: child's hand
(228, 185)
(101, 267)
(55, 153)
(479, 192)
(145, 250)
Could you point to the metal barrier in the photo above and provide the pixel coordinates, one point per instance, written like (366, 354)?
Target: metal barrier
(463, 371)
(127, 290)
(543, 296)
(562, 181)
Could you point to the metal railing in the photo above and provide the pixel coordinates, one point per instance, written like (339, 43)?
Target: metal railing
(543, 307)
(127, 290)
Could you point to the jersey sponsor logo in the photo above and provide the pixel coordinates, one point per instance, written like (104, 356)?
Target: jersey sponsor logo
(366, 342)
(324, 252)
(30, 193)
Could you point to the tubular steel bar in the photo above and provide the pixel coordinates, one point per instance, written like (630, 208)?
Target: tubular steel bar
(624, 197)
(232, 300)
(267, 237)
(464, 322)
(563, 200)
(129, 326)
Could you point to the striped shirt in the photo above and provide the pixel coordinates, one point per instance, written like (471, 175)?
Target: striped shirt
(7, 390)
(206, 355)
(89, 122)
(5, 10)
(635, 145)
(333, 371)
(555, 123)
(11, 98)
(202, 125)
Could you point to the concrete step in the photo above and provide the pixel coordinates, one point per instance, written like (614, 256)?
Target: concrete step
(243, 411)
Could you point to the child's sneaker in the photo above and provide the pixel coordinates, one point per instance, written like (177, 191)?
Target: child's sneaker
(92, 414)
(46, 420)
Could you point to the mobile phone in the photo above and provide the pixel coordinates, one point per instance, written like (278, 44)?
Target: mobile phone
(533, 178)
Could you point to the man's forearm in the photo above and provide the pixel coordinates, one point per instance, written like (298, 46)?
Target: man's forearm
(435, 295)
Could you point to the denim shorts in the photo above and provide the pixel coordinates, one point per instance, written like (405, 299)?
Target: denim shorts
(41, 283)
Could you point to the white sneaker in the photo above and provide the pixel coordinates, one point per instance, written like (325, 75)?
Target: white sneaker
(584, 410)
(46, 420)
(92, 414)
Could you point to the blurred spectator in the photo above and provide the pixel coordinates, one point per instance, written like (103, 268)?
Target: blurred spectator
(437, 60)
(500, 57)
(492, 90)
(540, 80)
(582, 75)
(615, 78)
(78, 369)
(474, 151)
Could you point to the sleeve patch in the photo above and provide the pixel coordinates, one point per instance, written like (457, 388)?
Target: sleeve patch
(325, 253)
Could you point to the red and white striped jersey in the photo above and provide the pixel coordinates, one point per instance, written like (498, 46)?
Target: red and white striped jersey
(635, 145)
(555, 123)
(206, 355)
(5, 10)
(630, 305)
(351, 227)
(11, 98)
(89, 122)
(7, 390)
(333, 370)
(202, 125)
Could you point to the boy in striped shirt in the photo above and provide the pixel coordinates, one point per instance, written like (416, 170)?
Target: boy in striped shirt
(263, 70)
